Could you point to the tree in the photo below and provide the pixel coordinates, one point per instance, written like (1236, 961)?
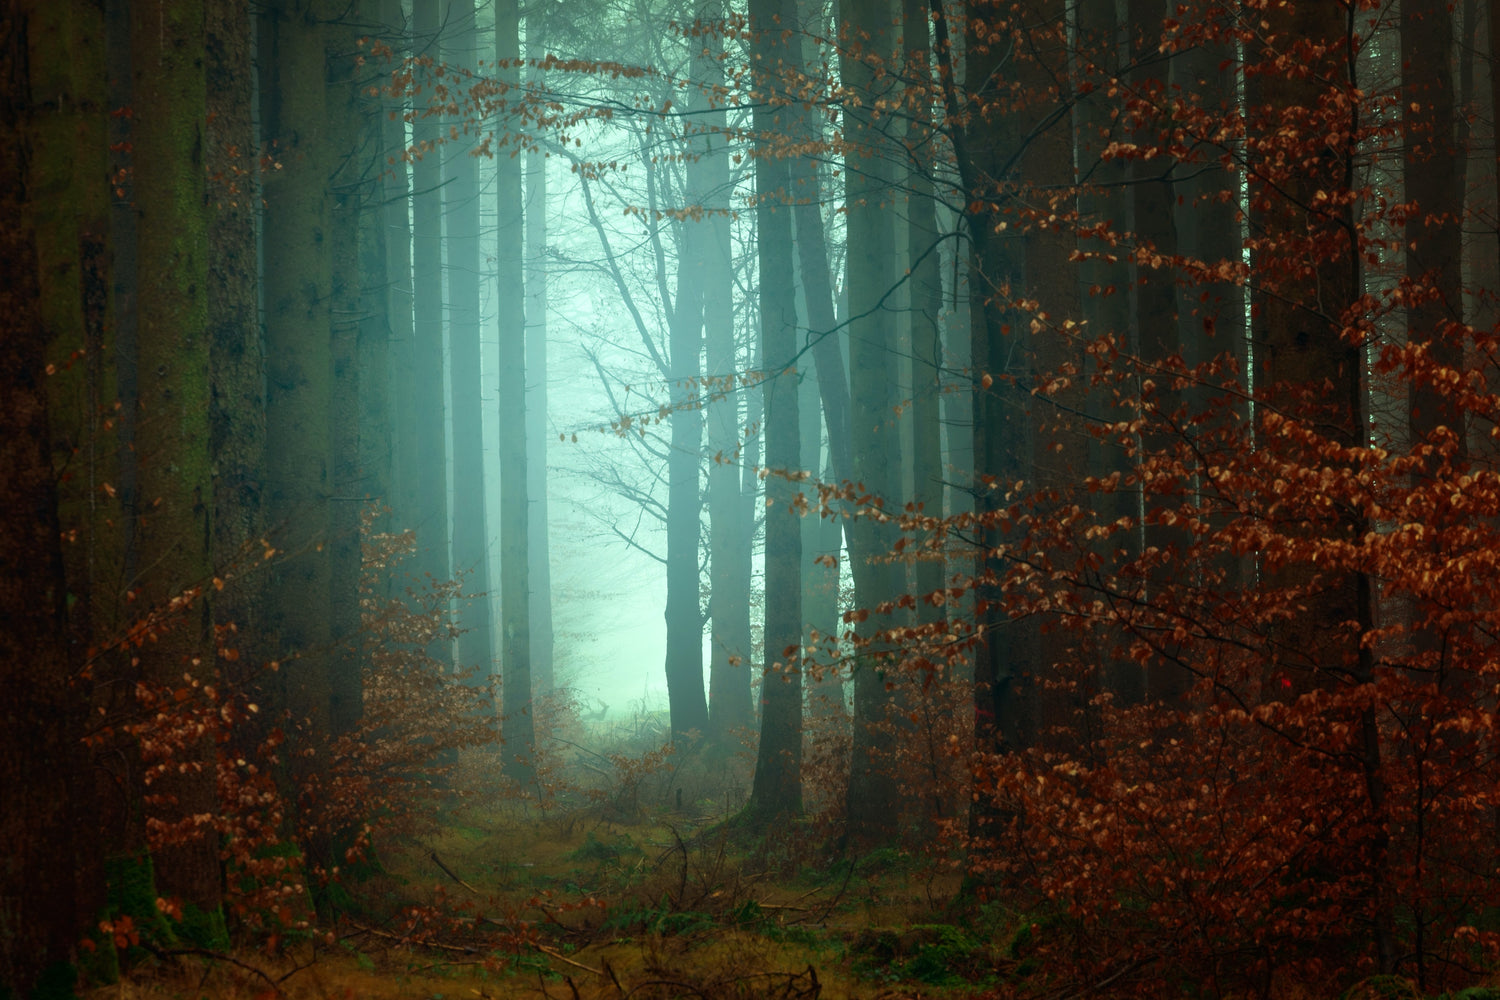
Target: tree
(396, 207)
(429, 371)
(237, 419)
(689, 707)
(518, 724)
(471, 542)
(542, 632)
(1431, 172)
(777, 788)
(866, 57)
(174, 518)
(731, 513)
(923, 242)
(41, 723)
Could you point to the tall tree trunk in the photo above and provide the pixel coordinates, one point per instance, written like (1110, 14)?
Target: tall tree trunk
(70, 202)
(518, 726)
(1433, 172)
(297, 290)
(823, 538)
(461, 242)
(866, 51)
(1104, 283)
(777, 789)
(351, 490)
(987, 133)
(729, 700)
(926, 283)
(1157, 334)
(1211, 318)
(686, 698)
(237, 422)
(1059, 446)
(42, 763)
(407, 425)
(377, 446)
(429, 372)
(543, 676)
(175, 520)
(1308, 277)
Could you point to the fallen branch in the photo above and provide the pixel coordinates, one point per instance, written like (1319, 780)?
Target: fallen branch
(449, 871)
(218, 956)
(411, 943)
(566, 960)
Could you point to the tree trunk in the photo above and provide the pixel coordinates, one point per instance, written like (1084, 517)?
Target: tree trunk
(685, 694)
(986, 133)
(926, 283)
(1104, 284)
(42, 763)
(518, 726)
(1433, 172)
(1308, 276)
(729, 700)
(237, 423)
(464, 260)
(868, 190)
(777, 789)
(297, 290)
(408, 423)
(429, 372)
(174, 525)
(1157, 335)
(543, 678)
(376, 388)
(68, 158)
(349, 483)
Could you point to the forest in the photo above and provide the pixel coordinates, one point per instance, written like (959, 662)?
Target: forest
(1030, 466)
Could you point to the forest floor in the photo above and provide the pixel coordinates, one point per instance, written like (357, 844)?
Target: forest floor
(636, 887)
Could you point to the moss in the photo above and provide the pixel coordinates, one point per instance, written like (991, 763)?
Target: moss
(131, 892)
(203, 928)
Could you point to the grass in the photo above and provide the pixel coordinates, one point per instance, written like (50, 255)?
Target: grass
(626, 885)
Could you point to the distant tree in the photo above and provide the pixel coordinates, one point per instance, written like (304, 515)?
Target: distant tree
(684, 666)
(538, 427)
(518, 726)
(429, 371)
(1433, 179)
(396, 205)
(731, 512)
(463, 259)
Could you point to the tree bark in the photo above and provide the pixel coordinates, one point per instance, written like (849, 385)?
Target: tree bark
(543, 678)
(174, 523)
(518, 725)
(866, 52)
(471, 560)
(731, 515)
(1433, 172)
(407, 421)
(777, 788)
(42, 763)
(429, 372)
(684, 667)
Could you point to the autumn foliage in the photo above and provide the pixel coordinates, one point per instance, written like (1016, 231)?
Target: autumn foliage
(1264, 746)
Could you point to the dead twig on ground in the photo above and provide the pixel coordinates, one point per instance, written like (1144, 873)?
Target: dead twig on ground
(449, 872)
